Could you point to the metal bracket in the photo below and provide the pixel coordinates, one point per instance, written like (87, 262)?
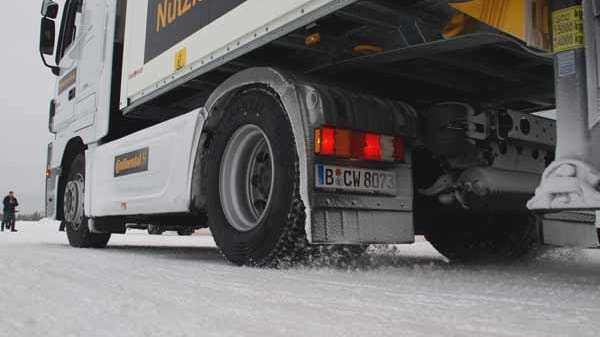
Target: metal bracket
(524, 127)
(478, 124)
(568, 184)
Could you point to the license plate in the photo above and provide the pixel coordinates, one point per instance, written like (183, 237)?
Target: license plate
(355, 179)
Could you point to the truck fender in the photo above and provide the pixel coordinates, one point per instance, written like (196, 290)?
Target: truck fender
(60, 165)
(285, 87)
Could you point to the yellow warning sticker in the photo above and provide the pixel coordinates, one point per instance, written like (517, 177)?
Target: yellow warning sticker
(567, 29)
(180, 59)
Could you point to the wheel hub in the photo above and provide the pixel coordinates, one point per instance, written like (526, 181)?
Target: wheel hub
(73, 202)
(246, 178)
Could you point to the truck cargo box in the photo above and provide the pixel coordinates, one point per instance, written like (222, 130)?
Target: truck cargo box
(170, 41)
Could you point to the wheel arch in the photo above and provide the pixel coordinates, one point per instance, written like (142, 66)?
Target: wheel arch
(74, 147)
(286, 89)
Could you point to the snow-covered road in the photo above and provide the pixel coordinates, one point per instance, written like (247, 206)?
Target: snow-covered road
(172, 286)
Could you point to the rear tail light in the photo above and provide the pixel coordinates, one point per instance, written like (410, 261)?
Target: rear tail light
(399, 149)
(325, 141)
(371, 149)
(345, 143)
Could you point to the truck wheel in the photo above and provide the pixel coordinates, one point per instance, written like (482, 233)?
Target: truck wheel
(254, 209)
(155, 229)
(75, 221)
(471, 237)
(187, 231)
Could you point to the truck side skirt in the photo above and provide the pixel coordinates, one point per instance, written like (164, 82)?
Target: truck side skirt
(147, 172)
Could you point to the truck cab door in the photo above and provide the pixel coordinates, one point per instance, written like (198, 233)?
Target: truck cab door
(93, 84)
(83, 91)
(66, 59)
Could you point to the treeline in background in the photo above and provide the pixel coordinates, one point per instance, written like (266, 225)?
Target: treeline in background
(35, 216)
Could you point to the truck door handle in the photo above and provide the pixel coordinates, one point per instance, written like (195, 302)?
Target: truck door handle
(72, 94)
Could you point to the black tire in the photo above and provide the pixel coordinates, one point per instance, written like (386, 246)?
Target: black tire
(468, 237)
(278, 237)
(155, 229)
(185, 231)
(78, 232)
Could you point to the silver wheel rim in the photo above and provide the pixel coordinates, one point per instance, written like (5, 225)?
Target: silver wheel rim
(246, 178)
(73, 201)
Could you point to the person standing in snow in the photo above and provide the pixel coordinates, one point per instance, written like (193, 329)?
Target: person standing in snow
(10, 204)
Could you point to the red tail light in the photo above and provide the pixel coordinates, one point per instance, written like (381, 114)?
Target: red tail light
(358, 145)
(328, 141)
(399, 149)
(372, 148)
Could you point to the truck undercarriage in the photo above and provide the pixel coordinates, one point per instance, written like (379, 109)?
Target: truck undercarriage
(410, 60)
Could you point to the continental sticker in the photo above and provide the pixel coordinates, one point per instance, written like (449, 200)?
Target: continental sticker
(171, 21)
(567, 29)
(132, 162)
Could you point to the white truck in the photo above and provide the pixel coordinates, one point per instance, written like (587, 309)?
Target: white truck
(284, 124)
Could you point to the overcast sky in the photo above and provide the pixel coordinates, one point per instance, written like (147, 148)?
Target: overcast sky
(26, 88)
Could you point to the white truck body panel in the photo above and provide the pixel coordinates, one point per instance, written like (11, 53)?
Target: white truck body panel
(241, 29)
(125, 183)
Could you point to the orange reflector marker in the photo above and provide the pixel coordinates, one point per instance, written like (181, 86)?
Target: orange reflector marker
(367, 49)
(48, 173)
(313, 39)
(317, 140)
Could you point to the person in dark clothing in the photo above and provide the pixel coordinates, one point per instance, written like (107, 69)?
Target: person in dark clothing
(10, 204)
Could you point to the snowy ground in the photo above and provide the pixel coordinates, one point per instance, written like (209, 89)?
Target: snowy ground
(172, 286)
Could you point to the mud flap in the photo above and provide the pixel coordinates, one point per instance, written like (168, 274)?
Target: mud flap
(573, 229)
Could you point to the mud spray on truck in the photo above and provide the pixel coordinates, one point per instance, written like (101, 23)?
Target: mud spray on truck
(288, 124)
